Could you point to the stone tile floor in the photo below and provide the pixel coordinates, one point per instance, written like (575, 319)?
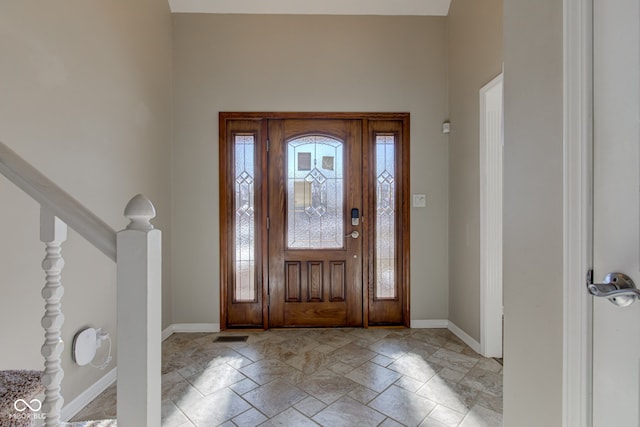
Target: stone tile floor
(327, 377)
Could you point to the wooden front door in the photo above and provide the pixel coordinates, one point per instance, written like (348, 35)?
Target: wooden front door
(314, 219)
(315, 205)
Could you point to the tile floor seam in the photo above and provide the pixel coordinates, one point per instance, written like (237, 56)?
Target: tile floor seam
(188, 417)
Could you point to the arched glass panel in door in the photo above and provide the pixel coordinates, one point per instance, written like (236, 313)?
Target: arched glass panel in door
(315, 193)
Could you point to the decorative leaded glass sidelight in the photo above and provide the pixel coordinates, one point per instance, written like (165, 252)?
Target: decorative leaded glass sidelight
(315, 193)
(245, 230)
(385, 218)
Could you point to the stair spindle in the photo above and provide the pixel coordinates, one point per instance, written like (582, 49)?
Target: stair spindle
(53, 232)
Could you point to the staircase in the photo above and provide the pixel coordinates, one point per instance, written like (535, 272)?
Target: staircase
(136, 251)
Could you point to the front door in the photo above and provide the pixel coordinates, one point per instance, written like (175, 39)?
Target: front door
(314, 219)
(315, 227)
(616, 330)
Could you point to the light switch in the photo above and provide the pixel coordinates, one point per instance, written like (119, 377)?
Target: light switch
(419, 200)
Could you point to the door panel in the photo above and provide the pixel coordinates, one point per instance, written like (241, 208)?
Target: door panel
(315, 266)
(616, 330)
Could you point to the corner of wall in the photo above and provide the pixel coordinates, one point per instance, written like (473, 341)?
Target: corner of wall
(475, 57)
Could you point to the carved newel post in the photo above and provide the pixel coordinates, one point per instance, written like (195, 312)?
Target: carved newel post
(139, 260)
(53, 232)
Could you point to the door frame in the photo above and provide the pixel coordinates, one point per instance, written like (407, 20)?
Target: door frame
(403, 203)
(491, 201)
(577, 221)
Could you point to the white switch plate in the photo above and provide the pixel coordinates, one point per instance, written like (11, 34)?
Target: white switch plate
(419, 200)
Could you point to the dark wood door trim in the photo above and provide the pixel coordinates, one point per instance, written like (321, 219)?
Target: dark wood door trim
(225, 116)
(260, 119)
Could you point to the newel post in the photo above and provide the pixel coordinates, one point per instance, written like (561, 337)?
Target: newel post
(53, 232)
(139, 260)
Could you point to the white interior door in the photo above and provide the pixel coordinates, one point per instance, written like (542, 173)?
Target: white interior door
(616, 330)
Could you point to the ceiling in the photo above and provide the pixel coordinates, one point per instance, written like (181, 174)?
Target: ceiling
(318, 7)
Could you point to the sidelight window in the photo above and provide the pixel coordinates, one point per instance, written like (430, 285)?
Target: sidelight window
(245, 229)
(385, 211)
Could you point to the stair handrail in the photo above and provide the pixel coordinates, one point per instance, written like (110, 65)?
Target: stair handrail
(59, 202)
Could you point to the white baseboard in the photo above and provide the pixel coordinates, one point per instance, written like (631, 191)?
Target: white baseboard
(167, 332)
(189, 327)
(429, 324)
(475, 345)
(77, 404)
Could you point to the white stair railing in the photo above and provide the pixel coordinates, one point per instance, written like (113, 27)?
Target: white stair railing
(137, 252)
(52, 232)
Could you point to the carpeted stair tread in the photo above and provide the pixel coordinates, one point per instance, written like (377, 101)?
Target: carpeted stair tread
(14, 385)
(98, 423)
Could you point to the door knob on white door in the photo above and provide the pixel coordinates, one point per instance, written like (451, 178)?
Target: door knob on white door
(618, 287)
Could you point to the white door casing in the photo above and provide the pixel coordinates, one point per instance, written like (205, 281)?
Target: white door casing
(616, 214)
(491, 168)
(577, 194)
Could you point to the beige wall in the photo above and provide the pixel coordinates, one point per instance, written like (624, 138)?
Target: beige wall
(85, 97)
(475, 57)
(533, 257)
(304, 63)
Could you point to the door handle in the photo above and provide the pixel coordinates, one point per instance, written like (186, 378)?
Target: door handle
(355, 234)
(618, 287)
